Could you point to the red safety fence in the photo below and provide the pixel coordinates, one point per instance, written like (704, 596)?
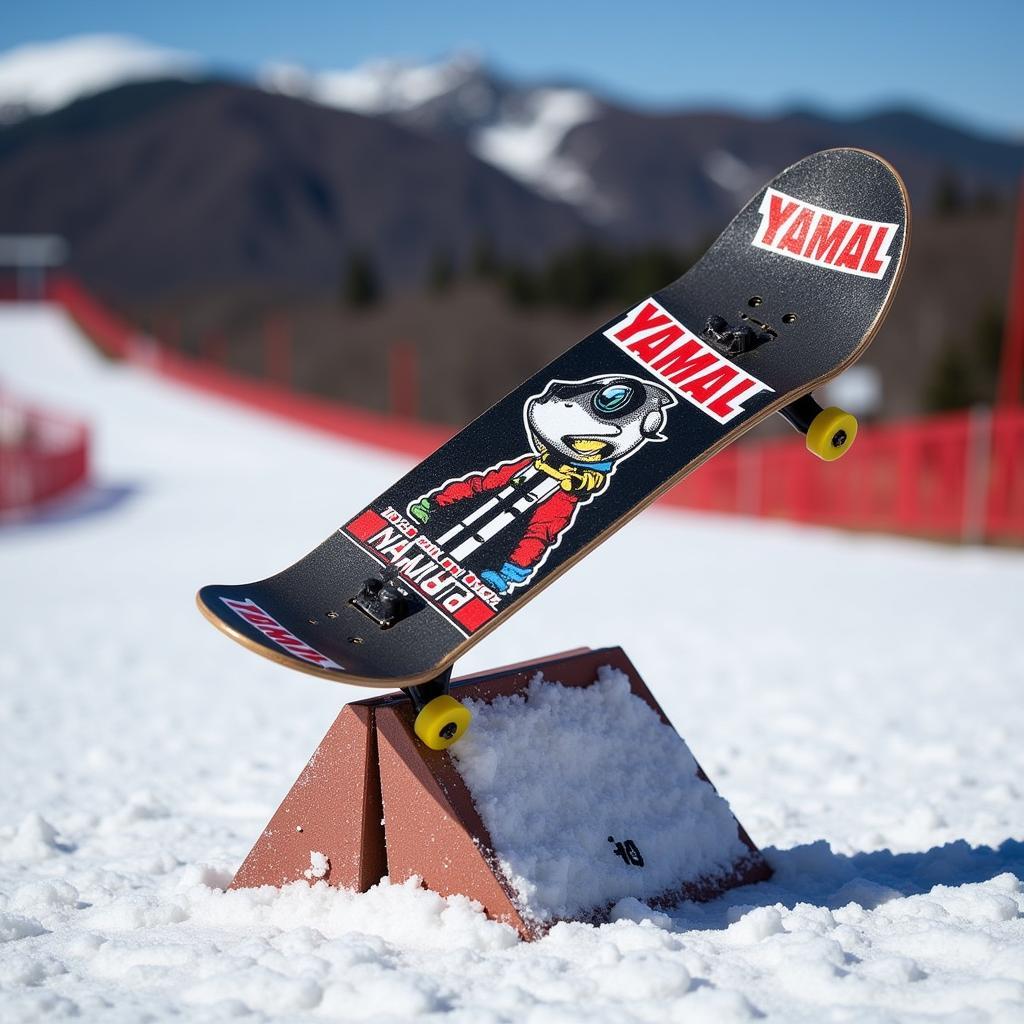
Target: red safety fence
(120, 340)
(42, 455)
(957, 476)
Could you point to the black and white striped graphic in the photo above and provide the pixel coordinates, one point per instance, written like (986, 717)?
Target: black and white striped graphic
(541, 490)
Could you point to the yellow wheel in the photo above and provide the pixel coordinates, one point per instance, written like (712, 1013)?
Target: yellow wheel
(831, 433)
(442, 722)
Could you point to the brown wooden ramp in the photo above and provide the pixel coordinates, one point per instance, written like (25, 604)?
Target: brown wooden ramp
(373, 801)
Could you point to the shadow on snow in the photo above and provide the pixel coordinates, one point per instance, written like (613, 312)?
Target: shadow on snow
(84, 503)
(814, 874)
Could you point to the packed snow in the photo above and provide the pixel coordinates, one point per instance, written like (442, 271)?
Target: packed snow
(612, 756)
(38, 77)
(855, 699)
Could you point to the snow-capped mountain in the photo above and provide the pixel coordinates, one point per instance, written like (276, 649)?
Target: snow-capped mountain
(376, 87)
(635, 174)
(40, 77)
(407, 161)
(277, 189)
(671, 174)
(518, 129)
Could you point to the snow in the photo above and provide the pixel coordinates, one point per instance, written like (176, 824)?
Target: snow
(731, 173)
(623, 774)
(526, 143)
(319, 865)
(856, 700)
(375, 87)
(523, 137)
(39, 77)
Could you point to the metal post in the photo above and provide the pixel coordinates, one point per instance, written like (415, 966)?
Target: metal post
(977, 455)
(751, 461)
(277, 360)
(403, 380)
(1011, 367)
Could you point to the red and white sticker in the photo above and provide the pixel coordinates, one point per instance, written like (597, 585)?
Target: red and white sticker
(812, 234)
(251, 612)
(693, 369)
(448, 588)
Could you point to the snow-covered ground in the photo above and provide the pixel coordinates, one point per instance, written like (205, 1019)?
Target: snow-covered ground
(856, 699)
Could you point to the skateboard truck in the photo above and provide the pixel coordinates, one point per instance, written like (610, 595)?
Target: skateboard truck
(441, 720)
(386, 600)
(734, 341)
(830, 432)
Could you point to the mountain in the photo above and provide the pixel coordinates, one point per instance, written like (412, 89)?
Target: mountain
(169, 185)
(697, 169)
(40, 77)
(519, 129)
(162, 185)
(642, 175)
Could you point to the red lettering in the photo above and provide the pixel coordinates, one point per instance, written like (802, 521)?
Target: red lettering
(703, 388)
(722, 406)
(273, 630)
(825, 240)
(256, 618)
(853, 251)
(689, 358)
(647, 348)
(872, 264)
(280, 634)
(778, 213)
(385, 538)
(647, 319)
(796, 234)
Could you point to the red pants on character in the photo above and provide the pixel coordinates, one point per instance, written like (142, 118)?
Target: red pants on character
(546, 523)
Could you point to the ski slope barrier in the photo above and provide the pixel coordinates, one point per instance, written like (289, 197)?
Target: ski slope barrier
(958, 476)
(42, 456)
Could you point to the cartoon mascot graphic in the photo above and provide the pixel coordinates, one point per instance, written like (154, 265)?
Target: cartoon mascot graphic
(580, 430)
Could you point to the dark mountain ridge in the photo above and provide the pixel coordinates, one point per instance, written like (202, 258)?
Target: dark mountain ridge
(164, 186)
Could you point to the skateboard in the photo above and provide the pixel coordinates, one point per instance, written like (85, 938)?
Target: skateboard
(789, 295)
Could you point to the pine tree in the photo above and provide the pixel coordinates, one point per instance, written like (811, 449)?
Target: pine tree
(582, 277)
(644, 272)
(522, 286)
(360, 288)
(949, 385)
(988, 343)
(949, 197)
(442, 272)
(484, 262)
(988, 200)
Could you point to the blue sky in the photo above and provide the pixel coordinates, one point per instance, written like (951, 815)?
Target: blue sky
(958, 59)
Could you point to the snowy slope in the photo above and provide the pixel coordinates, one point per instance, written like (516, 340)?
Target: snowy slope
(39, 77)
(855, 699)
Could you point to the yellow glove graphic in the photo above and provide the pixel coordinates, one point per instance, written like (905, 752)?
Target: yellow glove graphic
(582, 479)
(572, 478)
